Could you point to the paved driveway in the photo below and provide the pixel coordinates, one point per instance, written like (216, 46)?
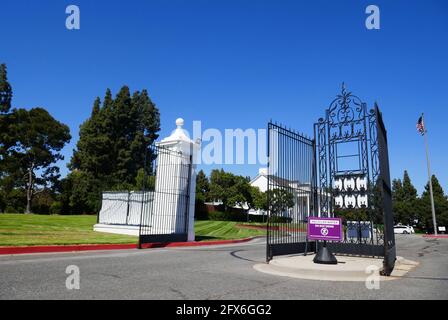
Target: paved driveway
(218, 272)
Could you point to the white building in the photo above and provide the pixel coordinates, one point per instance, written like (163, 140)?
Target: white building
(302, 192)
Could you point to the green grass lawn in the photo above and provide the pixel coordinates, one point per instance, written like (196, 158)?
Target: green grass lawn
(223, 230)
(24, 230)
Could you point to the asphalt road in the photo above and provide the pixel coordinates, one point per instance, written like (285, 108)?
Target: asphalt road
(215, 272)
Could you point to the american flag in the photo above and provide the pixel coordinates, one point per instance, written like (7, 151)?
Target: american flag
(421, 126)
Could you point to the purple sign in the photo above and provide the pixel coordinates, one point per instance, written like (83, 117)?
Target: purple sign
(324, 229)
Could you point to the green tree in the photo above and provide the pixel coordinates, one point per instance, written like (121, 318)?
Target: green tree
(202, 187)
(5, 90)
(31, 146)
(144, 181)
(280, 200)
(409, 191)
(404, 197)
(93, 154)
(80, 193)
(5, 106)
(114, 142)
(259, 199)
(440, 204)
(231, 189)
(220, 183)
(239, 194)
(397, 190)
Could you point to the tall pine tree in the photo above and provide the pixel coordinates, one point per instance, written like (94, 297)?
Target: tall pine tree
(5, 90)
(404, 196)
(114, 140)
(440, 204)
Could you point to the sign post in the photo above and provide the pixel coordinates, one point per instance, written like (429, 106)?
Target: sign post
(324, 229)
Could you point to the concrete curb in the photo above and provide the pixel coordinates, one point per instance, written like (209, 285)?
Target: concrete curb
(439, 236)
(349, 269)
(100, 247)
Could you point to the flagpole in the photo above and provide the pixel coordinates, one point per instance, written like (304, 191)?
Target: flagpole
(429, 178)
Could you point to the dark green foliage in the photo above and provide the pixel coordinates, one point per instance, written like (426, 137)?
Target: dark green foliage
(404, 197)
(42, 202)
(280, 200)
(349, 214)
(235, 192)
(227, 216)
(408, 207)
(5, 90)
(144, 181)
(440, 204)
(241, 216)
(202, 190)
(277, 219)
(31, 145)
(111, 150)
(231, 189)
(200, 210)
(259, 199)
(202, 187)
(14, 200)
(56, 207)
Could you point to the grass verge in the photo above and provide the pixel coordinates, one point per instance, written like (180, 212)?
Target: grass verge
(28, 230)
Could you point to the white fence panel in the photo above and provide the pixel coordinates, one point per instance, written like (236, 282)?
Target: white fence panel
(124, 208)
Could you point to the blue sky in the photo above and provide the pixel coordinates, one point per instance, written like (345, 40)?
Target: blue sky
(237, 64)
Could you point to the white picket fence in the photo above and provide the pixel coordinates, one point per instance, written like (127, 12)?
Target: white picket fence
(123, 207)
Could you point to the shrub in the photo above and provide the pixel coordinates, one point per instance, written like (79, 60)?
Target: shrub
(227, 216)
(56, 207)
(10, 209)
(200, 211)
(276, 219)
(42, 202)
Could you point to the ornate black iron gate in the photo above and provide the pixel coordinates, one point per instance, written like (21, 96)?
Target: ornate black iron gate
(290, 191)
(166, 197)
(348, 177)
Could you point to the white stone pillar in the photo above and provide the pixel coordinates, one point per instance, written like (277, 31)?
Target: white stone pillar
(169, 203)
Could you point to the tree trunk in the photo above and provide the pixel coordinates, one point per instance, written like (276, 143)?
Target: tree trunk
(29, 190)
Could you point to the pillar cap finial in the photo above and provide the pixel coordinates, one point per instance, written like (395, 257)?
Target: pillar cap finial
(179, 123)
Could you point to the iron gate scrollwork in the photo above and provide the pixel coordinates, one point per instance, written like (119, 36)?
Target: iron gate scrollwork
(349, 178)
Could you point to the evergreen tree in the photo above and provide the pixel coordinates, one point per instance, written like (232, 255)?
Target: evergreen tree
(96, 107)
(93, 148)
(114, 142)
(404, 197)
(409, 191)
(440, 204)
(5, 90)
(202, 186)
(397, 190)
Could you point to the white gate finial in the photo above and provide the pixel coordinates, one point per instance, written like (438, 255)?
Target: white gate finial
(179, 123)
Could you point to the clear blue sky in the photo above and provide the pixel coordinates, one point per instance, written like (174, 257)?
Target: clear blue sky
(239, 63)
